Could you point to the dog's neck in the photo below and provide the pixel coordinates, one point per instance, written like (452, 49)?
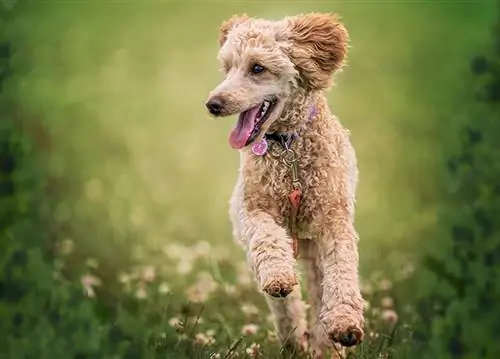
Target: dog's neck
(286, 137)
(294, 120)
(297, 113)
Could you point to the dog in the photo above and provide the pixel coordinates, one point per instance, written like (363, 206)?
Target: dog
(294, 199)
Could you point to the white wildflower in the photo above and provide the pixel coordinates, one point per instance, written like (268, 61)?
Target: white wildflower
(249, 329)
(163, 288)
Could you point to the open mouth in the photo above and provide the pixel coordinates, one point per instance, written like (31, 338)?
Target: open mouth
(250, 123)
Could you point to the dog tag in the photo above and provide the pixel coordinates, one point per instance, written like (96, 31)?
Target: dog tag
(260, 149)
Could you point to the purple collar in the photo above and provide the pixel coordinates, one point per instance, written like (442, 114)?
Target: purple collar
(284, 139)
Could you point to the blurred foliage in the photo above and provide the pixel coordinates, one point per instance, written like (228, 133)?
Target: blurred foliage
(41, 317)
(459, 276)
(120, 89)
(113, 190)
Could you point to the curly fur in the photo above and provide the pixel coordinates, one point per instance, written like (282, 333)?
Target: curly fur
(300, 55)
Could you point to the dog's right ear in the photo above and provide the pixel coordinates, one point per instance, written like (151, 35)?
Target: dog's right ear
(227, 25)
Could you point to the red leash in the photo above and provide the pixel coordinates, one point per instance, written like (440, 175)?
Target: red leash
(295, 198)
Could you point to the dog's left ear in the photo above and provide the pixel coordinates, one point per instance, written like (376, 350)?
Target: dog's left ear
(318, 48)
(229, 24)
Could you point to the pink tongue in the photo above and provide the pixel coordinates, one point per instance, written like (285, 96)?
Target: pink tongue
(244, 128)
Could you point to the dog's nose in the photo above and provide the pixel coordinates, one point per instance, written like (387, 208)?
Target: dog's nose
(215, 106)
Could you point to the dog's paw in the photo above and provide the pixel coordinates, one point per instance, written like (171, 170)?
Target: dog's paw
(278, 283)
(343, 325)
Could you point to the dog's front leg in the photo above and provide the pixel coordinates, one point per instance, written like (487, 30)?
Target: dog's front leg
(270, 254)
(342, 305)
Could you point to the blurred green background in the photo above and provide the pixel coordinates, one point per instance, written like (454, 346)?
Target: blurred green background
(122, 88)
(113, 95)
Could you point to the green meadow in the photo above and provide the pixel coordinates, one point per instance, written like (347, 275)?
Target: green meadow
(134, 177)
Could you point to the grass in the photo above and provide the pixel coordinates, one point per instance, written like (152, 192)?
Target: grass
(143, 177)
(216, 310)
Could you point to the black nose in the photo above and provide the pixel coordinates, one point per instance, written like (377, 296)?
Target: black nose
(214, 106)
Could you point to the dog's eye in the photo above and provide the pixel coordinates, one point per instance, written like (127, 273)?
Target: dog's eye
(257, 69)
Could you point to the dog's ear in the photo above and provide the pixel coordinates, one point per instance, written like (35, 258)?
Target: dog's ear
(227, 25)
(318, 48)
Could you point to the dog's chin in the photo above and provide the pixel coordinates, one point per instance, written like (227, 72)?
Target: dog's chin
(260, 136)
(271, 121)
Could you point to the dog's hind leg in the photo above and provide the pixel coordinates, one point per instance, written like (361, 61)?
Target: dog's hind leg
(314, 277)
(289, 315)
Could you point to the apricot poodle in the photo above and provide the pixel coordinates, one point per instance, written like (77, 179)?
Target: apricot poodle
(295, 194)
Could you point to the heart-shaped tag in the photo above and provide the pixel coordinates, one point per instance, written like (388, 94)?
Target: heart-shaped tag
(260, 148)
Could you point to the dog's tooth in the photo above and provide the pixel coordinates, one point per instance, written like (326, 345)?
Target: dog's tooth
(265, 106)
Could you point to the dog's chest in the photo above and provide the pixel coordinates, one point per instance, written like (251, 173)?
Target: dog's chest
(268, 185)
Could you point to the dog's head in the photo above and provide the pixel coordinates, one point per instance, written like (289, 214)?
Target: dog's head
(265, 62)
